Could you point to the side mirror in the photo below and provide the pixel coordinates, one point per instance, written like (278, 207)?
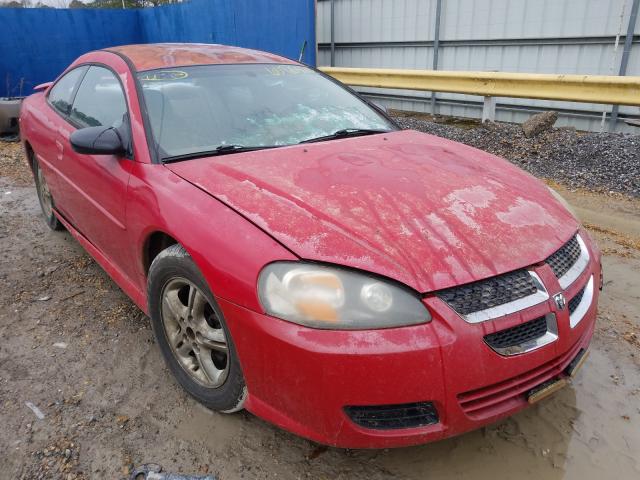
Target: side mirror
(98, 141)
(42, 86)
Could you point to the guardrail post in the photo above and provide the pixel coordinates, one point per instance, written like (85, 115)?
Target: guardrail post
(489, 109)
(625, 57)
(332, 18)
(436, 50)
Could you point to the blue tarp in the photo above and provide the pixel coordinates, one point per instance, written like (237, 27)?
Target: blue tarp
(37, 44)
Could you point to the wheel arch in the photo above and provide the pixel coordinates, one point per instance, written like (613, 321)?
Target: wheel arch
(159, 240)
(153, 244)
(29, 154)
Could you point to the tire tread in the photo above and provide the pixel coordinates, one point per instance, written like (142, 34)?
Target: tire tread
(229, 397)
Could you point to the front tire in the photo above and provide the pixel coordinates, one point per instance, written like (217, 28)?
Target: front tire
(192, 333)
(44, 196)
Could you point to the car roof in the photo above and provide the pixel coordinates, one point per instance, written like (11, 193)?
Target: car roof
(162, 55)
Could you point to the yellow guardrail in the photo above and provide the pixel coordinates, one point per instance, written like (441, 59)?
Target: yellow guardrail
(574, 88)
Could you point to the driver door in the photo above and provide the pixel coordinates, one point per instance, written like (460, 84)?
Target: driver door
(94, 187)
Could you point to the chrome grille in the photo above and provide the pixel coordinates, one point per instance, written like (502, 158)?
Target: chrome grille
(580, 303)
(564, 258)
(525, 337)
(575, 301)
(492, 292)
(517, 335)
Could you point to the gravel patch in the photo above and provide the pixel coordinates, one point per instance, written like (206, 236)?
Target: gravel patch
(13, 163)
(602, 162)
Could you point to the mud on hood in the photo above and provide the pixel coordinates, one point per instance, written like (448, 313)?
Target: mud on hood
(423, 210)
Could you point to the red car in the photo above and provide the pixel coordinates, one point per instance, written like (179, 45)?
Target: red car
(302, 257)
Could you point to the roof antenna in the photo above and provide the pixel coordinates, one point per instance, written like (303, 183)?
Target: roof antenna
(304, 46)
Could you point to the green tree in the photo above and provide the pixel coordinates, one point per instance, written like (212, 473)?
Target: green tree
(15, 4)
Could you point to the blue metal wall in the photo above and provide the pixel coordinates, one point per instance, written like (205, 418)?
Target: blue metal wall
(278, 26)
(37, 44)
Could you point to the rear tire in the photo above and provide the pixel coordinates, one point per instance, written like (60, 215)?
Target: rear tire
(44, 196)
(192, 333)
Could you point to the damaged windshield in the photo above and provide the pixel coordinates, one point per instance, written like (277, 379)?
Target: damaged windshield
(202, 108)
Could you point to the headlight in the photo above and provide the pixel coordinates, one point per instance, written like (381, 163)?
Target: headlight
(326, 297)
(564, 203)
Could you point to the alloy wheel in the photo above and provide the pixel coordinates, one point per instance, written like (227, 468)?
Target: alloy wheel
(194, 332)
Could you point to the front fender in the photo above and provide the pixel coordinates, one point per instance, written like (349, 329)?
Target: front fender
(228, 249)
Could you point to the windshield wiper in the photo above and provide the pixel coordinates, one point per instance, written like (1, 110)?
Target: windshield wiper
(221, 150)
(346, 132)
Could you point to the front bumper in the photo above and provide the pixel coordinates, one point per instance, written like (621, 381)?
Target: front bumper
(302, 379)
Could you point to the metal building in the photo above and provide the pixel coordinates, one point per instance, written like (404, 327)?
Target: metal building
(532, 36)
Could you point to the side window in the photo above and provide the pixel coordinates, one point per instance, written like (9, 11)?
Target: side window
(100, 100)
(61, 93)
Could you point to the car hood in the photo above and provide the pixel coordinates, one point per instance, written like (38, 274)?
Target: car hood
(420, 209)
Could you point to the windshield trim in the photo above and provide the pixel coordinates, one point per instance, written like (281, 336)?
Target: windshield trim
(142, 105)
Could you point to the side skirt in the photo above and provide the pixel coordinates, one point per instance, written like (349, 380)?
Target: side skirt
(132, 291)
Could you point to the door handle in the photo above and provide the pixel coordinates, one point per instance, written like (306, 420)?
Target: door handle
(60, 148)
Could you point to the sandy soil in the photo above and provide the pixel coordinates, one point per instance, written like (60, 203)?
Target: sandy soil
(74, 345)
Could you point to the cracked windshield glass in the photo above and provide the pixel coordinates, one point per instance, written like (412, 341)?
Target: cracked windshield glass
(198, 109)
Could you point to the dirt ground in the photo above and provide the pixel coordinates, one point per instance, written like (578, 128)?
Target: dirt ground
(73, 345)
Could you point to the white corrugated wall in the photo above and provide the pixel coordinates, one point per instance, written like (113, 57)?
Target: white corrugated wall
(535, 36)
